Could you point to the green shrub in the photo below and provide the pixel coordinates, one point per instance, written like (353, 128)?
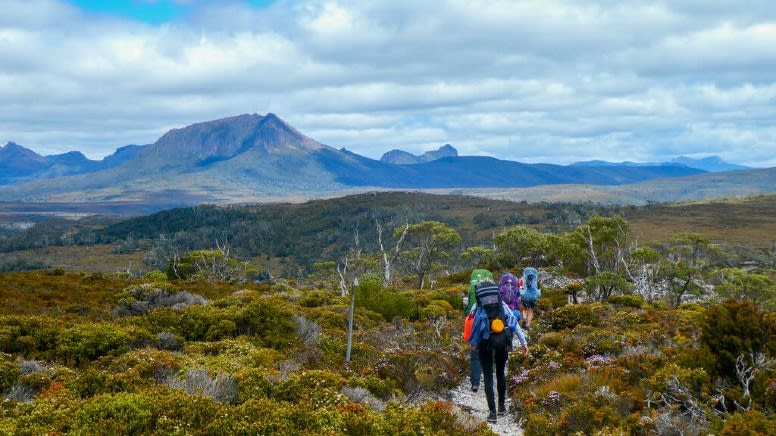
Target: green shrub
(551, 299)
(380, 388)
(179, 413)
(734, 328)
(252, 384)
(317, 299)
(627, 300)
(221, 329)
(9, 374)
(271, 319)
(154, 276)
(319, 387)
(568, 317)
(31, 336)
(603, 342)
(751, 423)
(389, 304)
(85, 342)
(121, 413)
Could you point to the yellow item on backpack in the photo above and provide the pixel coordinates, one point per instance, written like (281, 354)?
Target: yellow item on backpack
(497, 325)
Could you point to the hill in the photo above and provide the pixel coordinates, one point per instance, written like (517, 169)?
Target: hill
(300, 233)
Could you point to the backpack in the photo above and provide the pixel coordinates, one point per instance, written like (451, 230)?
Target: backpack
(531, 291)
(489, 300)
(509, 291)
(477, 276)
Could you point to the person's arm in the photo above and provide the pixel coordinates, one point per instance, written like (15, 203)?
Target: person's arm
(514, 325)
(474, 339)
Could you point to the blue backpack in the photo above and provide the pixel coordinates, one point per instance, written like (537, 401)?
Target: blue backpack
(531, 291)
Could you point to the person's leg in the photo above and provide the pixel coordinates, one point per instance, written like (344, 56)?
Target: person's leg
(476, 369)
(486, 360)
(500, 358)
(524, 314)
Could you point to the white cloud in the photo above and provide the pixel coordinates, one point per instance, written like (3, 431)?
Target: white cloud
(554, 80)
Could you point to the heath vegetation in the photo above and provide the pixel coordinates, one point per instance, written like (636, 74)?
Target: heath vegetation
(350, 323)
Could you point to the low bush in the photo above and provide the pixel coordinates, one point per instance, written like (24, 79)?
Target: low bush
(120, 413)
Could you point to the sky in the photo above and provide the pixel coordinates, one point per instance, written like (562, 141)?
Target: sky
(554, 81)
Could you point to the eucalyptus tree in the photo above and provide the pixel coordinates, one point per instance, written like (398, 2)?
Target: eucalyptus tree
(428, 245)
(519, 247)
(689, 257)
(740, 285)
(602, 250)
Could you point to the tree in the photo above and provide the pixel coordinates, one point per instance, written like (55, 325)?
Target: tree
(519, 247)
(738, 284)
(430, 243)
(350, 267)
(690, 256)
(643, 270)
(605, 242)
(389, 258)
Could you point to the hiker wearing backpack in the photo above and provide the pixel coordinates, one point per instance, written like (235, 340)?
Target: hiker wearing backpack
(509, 290)
(530, 293)
(478, 275)
(491, 337)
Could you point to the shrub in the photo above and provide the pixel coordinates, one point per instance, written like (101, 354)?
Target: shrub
(317, 299)
(139, 300)
(627, 300)
(380, 388)
(9, 374)
(751, 423)
(568, 317)
(734, 328)
(121, 413)
(252, 383)
(154, 276)
(321, 388)
(269, 318)
(179, 413)
(308, 331)
(84, 342)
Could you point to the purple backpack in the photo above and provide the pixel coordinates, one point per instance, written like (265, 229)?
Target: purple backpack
(507, 288)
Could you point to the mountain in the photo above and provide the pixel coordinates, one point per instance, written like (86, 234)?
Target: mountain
(250, 157)
(711, 164)
(122, 154)
(19, 164)
(401, 157)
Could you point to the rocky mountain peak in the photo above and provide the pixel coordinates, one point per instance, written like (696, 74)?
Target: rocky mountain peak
(401, 157)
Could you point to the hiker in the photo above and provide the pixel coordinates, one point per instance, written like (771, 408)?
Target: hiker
(509, 290)
(530, 292)
(491, 337)
(470, 298)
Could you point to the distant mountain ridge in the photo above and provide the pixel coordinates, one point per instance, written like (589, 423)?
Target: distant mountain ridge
(253, 157)
(401, 157)
(19, 164)
(712, 164)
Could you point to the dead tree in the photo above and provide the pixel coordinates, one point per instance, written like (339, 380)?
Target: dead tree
(389, 260)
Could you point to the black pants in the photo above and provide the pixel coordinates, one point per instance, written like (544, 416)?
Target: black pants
(489, 356)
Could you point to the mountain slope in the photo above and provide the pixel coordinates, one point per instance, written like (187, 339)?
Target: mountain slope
(251, 157)
(712, 164)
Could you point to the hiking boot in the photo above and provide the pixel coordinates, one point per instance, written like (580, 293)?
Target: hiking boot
(492, 417)
(502, 410)
(475, 388)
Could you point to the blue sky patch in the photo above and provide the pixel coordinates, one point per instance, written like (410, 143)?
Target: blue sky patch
(148, 11)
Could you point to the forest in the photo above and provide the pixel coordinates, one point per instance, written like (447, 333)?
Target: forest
(235, 320)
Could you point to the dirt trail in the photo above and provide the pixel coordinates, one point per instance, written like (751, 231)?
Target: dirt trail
(476, 405)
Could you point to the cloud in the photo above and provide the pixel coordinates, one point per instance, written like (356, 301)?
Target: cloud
(536, 81)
